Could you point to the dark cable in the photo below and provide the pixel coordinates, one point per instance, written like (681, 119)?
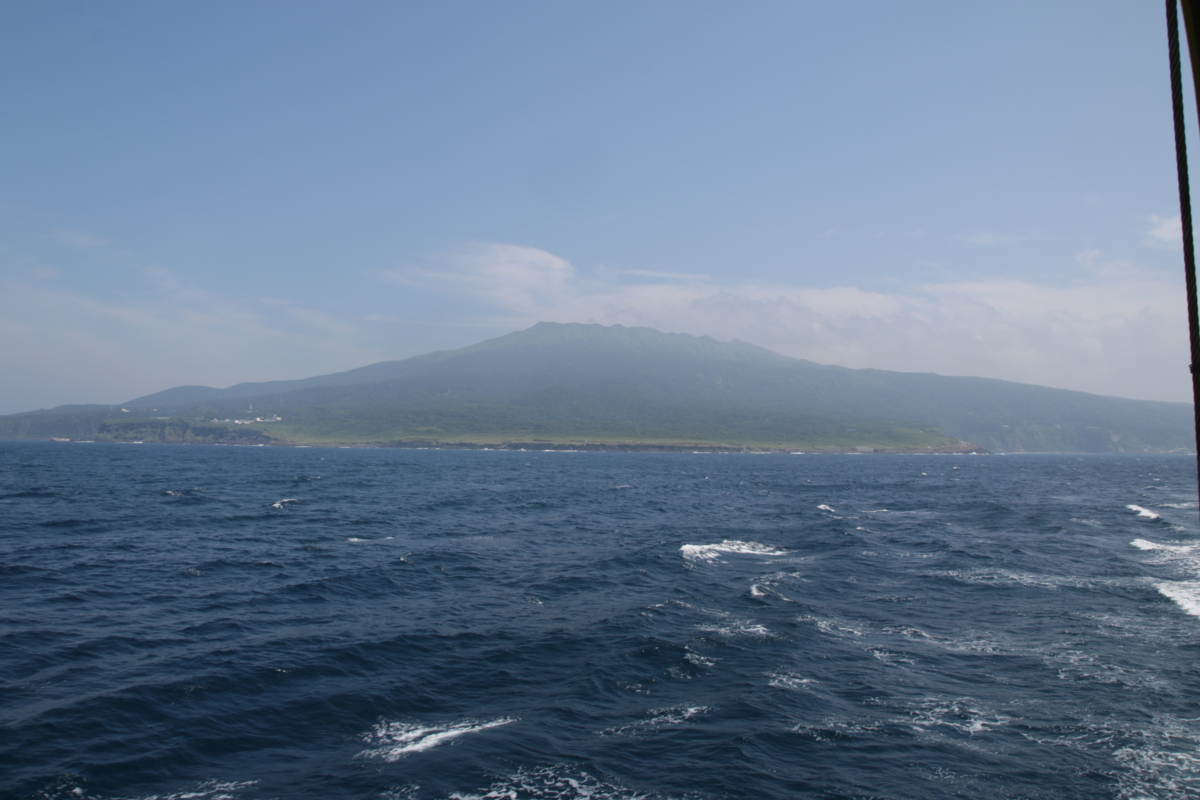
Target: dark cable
(1185, 209)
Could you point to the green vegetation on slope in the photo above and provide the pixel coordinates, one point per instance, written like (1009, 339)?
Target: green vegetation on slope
(589, 383)
(613, 421)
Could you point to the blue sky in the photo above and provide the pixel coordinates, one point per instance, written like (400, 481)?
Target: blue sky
(208, 193)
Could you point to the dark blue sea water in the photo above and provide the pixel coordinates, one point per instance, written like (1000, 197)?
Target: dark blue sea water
(251, 623)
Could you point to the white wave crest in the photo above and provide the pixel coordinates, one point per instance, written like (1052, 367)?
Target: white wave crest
(1146, 544)
(711, 552)
(824, 507)
(394, 740)
(1143, 544)
(1143, 512)
(1185, 594)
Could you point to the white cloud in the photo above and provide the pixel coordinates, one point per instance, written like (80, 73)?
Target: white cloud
(1166, 233)
(1120, 332)
(522, 279)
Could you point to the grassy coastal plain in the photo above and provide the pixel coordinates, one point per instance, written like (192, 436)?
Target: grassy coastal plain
(463, 432)
(596, 387)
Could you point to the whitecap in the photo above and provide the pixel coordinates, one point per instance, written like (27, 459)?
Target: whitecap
(887, 656)
(789, 680)
(552, 783)
(1146, 544)
(1185, 594)
(958, 713)
(1142, 544)
(737, 627)
(824, 507)
(287, 501)
(657, 718)
(394, 740)
(1143, 512)
(833, 628)
(1160, 759)
(207, 790)
(711, 552)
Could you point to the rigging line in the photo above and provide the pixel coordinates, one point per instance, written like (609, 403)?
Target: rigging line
(1185, 208)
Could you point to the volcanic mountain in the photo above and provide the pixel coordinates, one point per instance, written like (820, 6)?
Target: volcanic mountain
(574, 385)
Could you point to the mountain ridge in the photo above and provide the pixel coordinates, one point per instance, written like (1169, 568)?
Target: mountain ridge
(567, 383)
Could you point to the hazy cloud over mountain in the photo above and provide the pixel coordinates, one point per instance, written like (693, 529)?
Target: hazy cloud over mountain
(1120, 331)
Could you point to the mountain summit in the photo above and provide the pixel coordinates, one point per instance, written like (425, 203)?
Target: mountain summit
(575, 384)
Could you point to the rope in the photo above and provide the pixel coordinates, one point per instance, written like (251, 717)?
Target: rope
(1185, 208)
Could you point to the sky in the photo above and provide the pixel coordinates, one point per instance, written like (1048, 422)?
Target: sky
(210, 193)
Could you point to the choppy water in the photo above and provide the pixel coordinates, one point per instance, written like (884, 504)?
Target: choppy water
(251, 623)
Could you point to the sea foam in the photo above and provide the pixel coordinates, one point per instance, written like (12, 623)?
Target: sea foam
(1143, 512)
(553, 783)
(712, 552)
(1185, 594)
(395, 740)
(1146, 544)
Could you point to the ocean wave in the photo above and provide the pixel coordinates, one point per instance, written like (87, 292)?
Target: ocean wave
(1185, 558)
(1159, 761)
(789, 680)
(392, 741)
(1185, 594)
(640, 666)
(554, 783)
(739, 627)
(1146, 544)
(713, 552)
(959, 713)
(657, 718)
(71, 787)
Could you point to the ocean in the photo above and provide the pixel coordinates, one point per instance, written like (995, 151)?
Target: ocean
(245, 623)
